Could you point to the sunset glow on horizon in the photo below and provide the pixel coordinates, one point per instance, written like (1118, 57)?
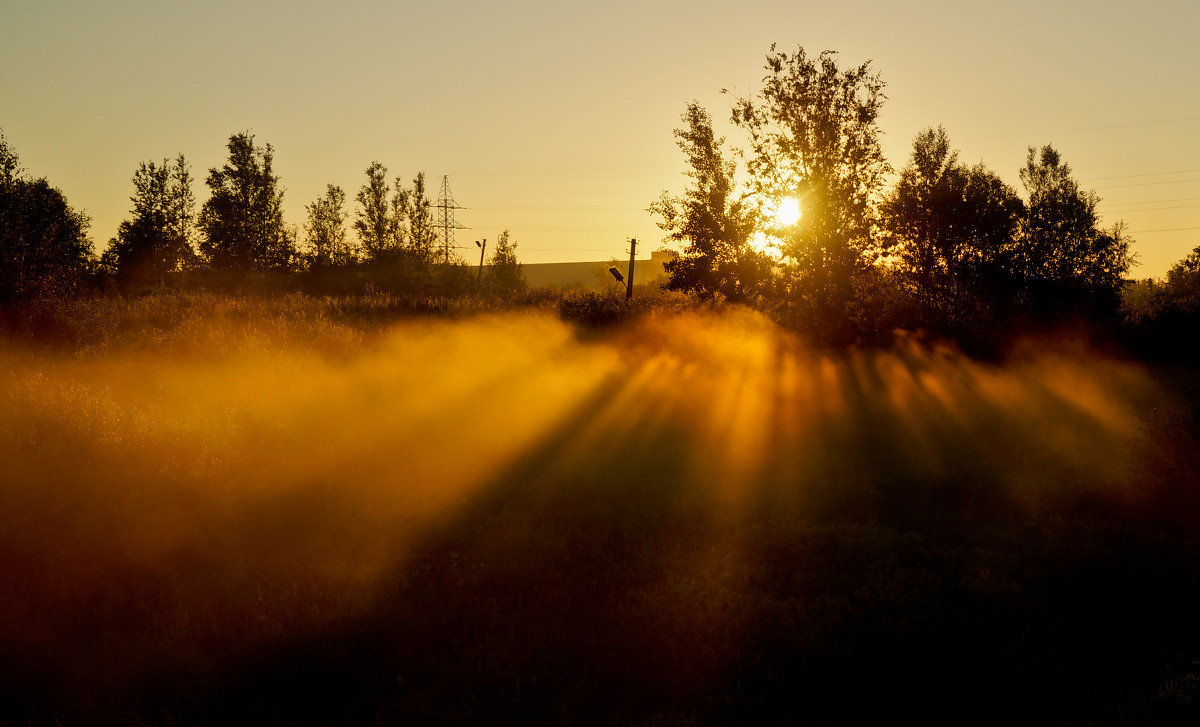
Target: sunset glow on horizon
(555, 121)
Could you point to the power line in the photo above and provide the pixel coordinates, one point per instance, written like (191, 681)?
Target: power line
(1167, 229)
(568, 249)
(554, 249)
(1150, 201)
(1092, 128)
(614, 207)
(1147, 174)
(479, 226)
(577, 170)
(617, 206)
(1157, 209)
(554, 207)
(1148, 184)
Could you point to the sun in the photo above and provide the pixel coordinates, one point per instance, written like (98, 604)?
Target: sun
(787, 212)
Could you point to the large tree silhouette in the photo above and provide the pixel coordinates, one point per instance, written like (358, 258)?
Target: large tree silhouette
(712, 223)
(377, 226)
(951, 228)
(1065, 261)
(159, 238)
(414, 210)
(814, 136)
(243, 219)
(325, 230)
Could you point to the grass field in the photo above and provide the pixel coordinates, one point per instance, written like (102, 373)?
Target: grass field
(222, 509)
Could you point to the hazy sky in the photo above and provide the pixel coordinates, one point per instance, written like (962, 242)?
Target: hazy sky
(554, 119)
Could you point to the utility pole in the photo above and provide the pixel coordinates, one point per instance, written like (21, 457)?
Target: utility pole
(629, 283)
(482, 250)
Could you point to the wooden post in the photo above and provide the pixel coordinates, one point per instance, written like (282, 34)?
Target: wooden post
(629, 282)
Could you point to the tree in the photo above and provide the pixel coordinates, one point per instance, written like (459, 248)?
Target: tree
(1179, 295)
(415, 208)
(505, 275)
(989, 219)
(243, 219)
(814, 136)
(378, 227)
(10, 164)
(159, 238)
(1065, 261)
(919, 217)
(1165, 315)
(1185, 274)
(182, 206)
(714, 227)
(325, 230)
(44, 246)
(949, 226)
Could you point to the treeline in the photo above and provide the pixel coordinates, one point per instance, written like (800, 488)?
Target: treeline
(949, 247)
(940, 246)
(237, 235)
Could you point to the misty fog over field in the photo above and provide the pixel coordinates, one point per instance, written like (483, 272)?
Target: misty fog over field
(643, 513)
(336, 387)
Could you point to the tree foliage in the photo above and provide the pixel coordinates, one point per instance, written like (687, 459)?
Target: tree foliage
(1064, 259)
(711, 221)
(242, 221)
(377, 225)
(10, 163)
(950, 228)
(159, 238)
(950, 246)
(505, 274)
(44, 245)
(1164, 315)
(1185, 274)
(325, 230)
(1179, 294)
(814, 136)
(395, 222)
(416, 210)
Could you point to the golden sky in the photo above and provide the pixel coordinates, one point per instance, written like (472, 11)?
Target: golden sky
(554, 119)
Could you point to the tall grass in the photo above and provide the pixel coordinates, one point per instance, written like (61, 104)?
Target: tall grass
(224, 509)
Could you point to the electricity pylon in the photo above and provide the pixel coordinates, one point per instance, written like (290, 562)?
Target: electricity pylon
(446, 206)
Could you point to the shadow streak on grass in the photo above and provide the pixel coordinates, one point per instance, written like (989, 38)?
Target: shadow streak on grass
(722, 528)
(604, 580)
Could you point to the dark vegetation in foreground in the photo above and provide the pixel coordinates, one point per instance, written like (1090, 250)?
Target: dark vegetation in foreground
(723, 527)
(1156, 324)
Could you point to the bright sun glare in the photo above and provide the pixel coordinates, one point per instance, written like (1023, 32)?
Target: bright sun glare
(788, 211)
